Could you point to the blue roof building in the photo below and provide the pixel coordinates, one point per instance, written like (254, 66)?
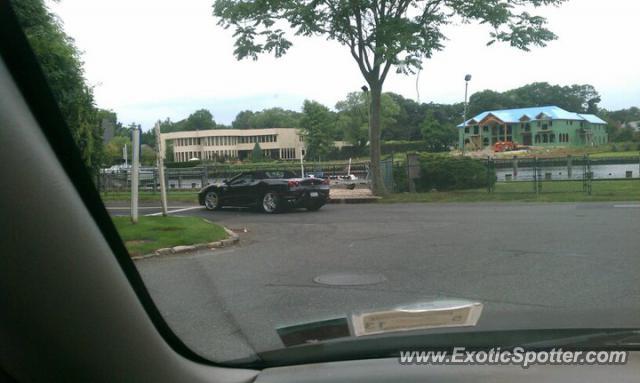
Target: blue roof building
(536, 126)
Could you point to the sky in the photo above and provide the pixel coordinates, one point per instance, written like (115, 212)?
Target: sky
(149, 60)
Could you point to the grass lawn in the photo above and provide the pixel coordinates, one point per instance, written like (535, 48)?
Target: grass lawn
(631, 153)
(152, 233)
(147, 196)
(553, 191)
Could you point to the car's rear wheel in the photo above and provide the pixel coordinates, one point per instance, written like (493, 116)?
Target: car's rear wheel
(270, 203)
(212, 201)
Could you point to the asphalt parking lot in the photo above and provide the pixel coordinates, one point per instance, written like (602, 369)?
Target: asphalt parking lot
(531, 265)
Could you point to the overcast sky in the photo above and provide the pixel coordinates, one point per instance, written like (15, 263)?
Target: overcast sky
(153, 59)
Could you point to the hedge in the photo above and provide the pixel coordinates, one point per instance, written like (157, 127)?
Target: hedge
(444, 173)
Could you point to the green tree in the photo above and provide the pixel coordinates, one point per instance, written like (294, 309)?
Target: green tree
(353, 116)
(276, 118)
(437, 136)
(168, 151)
(575, 98)
(61, 63)
(148, 138)
(379, 35)
(113, 150)
(317, 126)
(199, 120)
(256, 153)
(243, 120)
(147, 155)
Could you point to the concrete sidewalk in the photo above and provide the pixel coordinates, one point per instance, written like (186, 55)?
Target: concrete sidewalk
(363, 195)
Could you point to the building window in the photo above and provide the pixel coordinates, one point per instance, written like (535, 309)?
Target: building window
(552, 138)
(485, 128)
(476, 129)
(466, 130)
(537, 138)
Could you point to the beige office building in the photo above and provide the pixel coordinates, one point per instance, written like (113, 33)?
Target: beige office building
(218, 144)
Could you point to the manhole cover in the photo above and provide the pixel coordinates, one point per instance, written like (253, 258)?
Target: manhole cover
(349, 279)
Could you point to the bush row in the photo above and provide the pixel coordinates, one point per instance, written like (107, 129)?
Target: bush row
(444, 173)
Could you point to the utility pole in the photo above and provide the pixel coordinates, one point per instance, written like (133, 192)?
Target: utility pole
(124, 155)
(135, 169)
(160, 164)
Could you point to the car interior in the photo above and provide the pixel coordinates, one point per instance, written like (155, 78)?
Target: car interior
(73, 306)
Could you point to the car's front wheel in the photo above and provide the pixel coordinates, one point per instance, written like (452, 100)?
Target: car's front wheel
(270, 203)
(212, 201)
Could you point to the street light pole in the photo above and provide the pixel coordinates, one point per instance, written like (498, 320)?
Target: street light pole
(467, 78)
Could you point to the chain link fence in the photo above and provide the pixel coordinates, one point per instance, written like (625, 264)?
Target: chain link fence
(533, 176)
(560, 174)
(186, 179)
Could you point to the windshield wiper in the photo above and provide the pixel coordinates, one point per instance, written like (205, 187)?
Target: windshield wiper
(605, 338)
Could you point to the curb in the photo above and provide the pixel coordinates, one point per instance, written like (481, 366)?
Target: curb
(354, 200)
(232, 240)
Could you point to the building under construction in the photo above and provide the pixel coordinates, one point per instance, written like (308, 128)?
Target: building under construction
(540, 126)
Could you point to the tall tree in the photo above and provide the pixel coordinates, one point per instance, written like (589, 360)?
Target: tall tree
(201, 119)
(407, 122)
(256, 153)
(353, 116)
(379, 34)
(317, 126)
(243, 120)
(575, 98)
(61, 63)
(438, 137)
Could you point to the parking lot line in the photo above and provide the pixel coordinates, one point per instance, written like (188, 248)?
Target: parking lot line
(139, 207)
(626, 206)
(175, 211)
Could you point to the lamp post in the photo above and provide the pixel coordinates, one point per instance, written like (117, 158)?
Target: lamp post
(467, 78)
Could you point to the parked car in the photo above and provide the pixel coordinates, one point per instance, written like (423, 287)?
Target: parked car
(269, 191)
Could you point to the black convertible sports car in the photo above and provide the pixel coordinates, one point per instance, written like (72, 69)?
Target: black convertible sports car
(269, 191)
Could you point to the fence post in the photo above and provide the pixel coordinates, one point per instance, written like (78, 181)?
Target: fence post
(155, 179)
(413, 170)
(205, 176)
(589, 175)
(488, 174)
(584, 173)
(569, 166)
(535, 175)
(515, 167)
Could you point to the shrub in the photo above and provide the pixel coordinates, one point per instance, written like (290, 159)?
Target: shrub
(452, 173)
(400, 178)
(389, 147)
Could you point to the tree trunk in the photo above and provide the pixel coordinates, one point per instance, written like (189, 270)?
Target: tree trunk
(377, 182)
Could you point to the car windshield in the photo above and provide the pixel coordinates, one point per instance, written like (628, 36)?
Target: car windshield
(449, 167)
(272, 174)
